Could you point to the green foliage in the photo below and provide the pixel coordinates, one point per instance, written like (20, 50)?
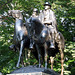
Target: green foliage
(69, 59)
(73, 71)
(69, 53)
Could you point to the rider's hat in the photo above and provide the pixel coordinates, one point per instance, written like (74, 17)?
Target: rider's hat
(47, 4)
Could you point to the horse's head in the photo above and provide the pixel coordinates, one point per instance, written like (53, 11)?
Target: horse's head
(30, 26)
(15, 14)
(12, 13)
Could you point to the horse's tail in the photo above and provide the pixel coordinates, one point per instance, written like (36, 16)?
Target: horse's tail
(60, 39)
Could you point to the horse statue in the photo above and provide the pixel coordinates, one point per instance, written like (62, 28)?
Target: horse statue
(40, 34)
(20, 39)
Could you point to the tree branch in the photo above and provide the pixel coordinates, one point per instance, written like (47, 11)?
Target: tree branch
(8, 1)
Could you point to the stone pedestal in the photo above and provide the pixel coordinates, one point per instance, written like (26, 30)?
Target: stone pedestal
(33, 70)
(35, 73)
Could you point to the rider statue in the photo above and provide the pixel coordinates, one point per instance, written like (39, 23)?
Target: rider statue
(35, 15)
(49, 19)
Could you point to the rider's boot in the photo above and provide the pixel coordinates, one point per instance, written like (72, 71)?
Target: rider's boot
(31, 44)
(52, 45)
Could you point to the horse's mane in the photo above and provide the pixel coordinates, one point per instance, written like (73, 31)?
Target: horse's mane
(37, 21)
(38, 25)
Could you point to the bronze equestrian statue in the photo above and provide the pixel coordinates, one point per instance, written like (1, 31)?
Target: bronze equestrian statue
(34, 14)
(42, 31)
(41, 36)
(20, 39)
(48, 18)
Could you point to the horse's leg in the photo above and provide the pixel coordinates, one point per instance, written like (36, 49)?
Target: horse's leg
(29, 53)
(25, 56)
(62, 62)
(39, 55)
(45, 47)
(62, 59)
(22, 57)
(21, 48)
(52, 61)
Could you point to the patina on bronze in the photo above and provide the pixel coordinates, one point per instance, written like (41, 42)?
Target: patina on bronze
(41, 36)
(48, 18)
(20, 33)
